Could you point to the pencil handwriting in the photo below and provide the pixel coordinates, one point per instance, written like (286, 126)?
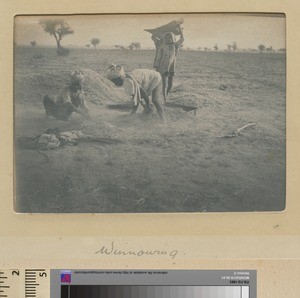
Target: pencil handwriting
(111, 249)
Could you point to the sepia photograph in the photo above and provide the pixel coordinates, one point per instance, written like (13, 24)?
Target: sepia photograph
(150, 113)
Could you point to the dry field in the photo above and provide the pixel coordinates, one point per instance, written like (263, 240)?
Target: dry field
(184, 166)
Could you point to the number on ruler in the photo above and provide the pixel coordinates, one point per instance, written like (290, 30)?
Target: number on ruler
(15, 272)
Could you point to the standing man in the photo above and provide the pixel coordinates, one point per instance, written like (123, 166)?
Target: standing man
(165, 58)
(139, 84)
(71, 99)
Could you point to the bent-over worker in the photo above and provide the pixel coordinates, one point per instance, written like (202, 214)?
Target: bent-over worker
(139, 84)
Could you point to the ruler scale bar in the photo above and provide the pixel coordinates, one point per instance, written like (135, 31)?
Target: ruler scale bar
(30, 275)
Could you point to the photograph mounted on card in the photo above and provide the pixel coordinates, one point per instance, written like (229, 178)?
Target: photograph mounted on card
(112, 116)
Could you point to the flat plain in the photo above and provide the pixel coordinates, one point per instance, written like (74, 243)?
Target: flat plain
(187, 165)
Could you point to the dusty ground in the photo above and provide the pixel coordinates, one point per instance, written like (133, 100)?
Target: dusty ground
(183, 166)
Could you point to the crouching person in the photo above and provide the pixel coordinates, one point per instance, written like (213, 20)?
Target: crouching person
(71, 99)
(139, 84)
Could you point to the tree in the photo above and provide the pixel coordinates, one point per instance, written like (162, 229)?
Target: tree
(216, 47)
(229, 47)
(234, 46)
(33, 43)
(87, 45)
(261, 48)
(119, 47)
(95, 41)
(135, 46)
(58, 28)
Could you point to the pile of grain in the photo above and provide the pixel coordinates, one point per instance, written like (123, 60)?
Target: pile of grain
(32, 86)
(100, 90)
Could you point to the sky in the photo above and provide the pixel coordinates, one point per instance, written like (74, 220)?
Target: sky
(200, 30)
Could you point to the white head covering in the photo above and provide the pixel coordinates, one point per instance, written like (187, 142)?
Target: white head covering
(77, 76)
(115, 71)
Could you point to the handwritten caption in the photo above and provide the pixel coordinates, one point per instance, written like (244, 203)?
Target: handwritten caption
(113, 250)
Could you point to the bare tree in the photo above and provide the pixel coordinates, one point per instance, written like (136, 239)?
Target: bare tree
(95, 41)
(229, 47)
(33, 43)
(58, 28)
(216, 47)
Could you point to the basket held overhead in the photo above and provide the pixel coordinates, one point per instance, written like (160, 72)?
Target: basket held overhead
(170, 27)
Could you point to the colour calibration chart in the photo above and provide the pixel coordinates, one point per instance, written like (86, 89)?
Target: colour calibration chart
(153, 284)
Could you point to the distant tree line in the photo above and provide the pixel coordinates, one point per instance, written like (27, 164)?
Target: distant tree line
(59, 29)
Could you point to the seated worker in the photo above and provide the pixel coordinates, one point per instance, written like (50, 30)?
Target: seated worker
(139, 84)
(71, 99)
